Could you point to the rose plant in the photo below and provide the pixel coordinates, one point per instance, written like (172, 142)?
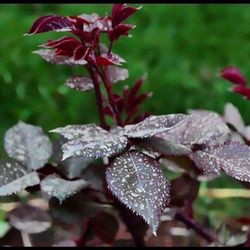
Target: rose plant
(105, 182)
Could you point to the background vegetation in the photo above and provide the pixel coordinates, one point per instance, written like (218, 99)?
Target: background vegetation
(180, 47)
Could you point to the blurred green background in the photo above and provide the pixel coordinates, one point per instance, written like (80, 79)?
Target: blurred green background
(180, 47)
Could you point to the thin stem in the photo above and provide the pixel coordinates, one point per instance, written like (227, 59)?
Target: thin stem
(108, 87)
(190, 223)
(26, 240)
(98, 99)
(110, 47)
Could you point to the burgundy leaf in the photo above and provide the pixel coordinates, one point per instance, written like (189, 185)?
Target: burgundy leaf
(56, 43)
(28, 144)
(134, 89)
(80, 131)
(201, 128)
(29, 219)
(74, 167)
(57, 187)
(138, 181)
(137, 100)
(105, 226)
(117, 74)
(162, 146)
(104, 145)
(232, 157)
(233, 75)
(95, 174)
(109, 59)
(76, 208)
(241, 89)
(52, 57)
(233, 117)
(14, 177)
(50, 22)
(79, 83)
(154, 125)
(120, 12)
(121, 29)
(80, 53)
(116, 8)
(66, 43)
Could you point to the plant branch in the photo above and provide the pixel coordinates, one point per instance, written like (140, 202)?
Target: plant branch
(26, 240)
(108, 87)
(190, 223)
(98, 98)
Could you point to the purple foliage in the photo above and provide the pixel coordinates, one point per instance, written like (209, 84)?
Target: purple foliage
(91, 202)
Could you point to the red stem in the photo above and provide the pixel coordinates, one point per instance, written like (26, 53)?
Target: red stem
(190, 223)
(108, 87)
(98, 98)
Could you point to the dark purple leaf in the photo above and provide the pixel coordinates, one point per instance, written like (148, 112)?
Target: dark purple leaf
(138, 181)
(154, 125)
(233, 75)
(241, 89)
(50, 23)
(120, 12)
(165, 147)
(232, 157)
(29, 219)
(105, 226)
(119, 30)
(74, 209)
(66, 43)
(14, 177)
(74, 167)
(51, 56)
(109, 59)
(184, 164)
(117, 74)
(233, 117)
(95, 174)
(79, 83)
(201, 128)
(100, 146)
(90, 141)
(134, 89)
(57, 187)
(28, 144)
(80, 53)
(80, 131)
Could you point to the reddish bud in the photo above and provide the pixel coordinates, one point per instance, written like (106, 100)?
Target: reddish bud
(233, 75)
